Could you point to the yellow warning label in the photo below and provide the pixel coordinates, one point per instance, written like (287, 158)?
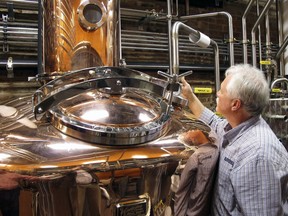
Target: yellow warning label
(202, 90)
(266, 62)
(276, 90)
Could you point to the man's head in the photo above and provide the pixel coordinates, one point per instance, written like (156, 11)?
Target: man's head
(245, 88)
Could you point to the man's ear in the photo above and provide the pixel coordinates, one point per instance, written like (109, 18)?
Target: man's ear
(236, 104)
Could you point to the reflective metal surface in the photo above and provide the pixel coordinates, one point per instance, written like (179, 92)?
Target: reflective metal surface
(79, 34)
(98, 117)
(116, 163)
(112, 106)
(92, 14)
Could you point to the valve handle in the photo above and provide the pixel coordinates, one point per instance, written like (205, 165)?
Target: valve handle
(175, 77)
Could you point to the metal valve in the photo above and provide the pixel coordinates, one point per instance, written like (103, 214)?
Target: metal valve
(173, 88)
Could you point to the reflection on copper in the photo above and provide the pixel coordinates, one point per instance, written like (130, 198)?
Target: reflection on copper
(70, 146)
(72, 41)
(139, 156)
(4, 165)
(4, 156)
(48, 166)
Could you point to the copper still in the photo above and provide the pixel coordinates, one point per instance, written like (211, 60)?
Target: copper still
(103, 140)
(100, 141)
(79, 34)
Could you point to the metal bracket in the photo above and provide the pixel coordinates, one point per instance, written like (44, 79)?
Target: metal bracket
(9, 68)
(10, 8)
(5, 44)
(6, 18)
(122, 63)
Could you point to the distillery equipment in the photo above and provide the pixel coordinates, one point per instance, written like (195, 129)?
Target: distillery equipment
(102, 139)
(99, 136)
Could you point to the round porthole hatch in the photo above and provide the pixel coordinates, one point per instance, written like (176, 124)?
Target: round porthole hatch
(91, 14)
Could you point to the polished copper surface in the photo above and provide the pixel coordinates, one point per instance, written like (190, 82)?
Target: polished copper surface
(109, 106)
(101, 141)
(129, 109)
(79, 34)
(104, 180)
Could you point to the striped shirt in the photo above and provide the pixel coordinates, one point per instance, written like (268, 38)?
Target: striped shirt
(253, 169)
(195, 189)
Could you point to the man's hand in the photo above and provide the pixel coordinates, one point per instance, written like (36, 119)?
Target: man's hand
(186, 90)
(194, 103)
(9, 180)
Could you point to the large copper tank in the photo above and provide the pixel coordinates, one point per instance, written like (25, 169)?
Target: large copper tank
(117, 161)
(103, 140)
(78, 34)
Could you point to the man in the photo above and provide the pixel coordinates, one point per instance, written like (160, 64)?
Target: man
(253, 165)
(193, 194)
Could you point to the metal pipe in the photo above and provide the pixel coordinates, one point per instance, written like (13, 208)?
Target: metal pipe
(259, 36)
(187, 7)
(40, 44)
(142, 13)
(268, 37)
(175, 43)
(217, 65)
(282, 48)
(22, 4)
(20, 63)
(169, 17)
(284, 80)
(119, 29)
(199, 39)
(230, 26)
(279, 10)
(121, 60)
(253, 39)
(163, 67)
(176, 8)
(244, 32)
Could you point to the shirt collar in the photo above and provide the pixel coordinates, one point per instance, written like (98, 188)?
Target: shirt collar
(232, 134)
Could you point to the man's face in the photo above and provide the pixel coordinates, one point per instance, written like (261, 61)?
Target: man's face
(224, 102)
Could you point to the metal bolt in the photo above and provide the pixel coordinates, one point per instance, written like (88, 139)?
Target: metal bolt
(39, 110)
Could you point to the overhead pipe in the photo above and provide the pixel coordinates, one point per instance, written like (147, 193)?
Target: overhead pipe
(257, 23)
(282, 48)
(279, 19)
(279, 80)
(199, 39)
(171, 77)
(23, 4)
(20, 63)
(259, 35)
(187, 7)
(230, 26)
(244, 32)
(40, 42)
(176, 8)
(169, 18)
(217, 65)
(121, 60)
(269, 69)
